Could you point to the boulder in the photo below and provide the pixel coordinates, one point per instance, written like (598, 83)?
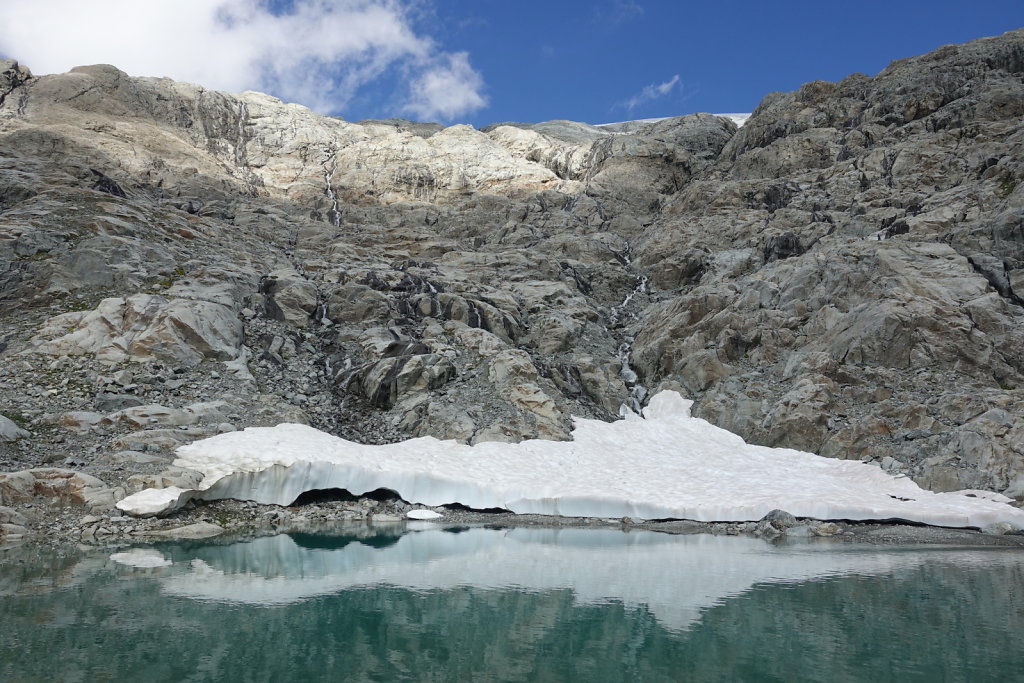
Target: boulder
(10, 431)
(66, 487)
(145, 327)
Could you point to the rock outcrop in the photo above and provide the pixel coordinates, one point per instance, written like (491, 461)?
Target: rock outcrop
(844, 274)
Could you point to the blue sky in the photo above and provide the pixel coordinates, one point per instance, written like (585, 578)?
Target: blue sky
(582, 61)
(484, 61)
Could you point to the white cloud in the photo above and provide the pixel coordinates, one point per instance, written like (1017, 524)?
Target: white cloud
(617, 12)
(447, 88)
(319, 53)
(651, 92)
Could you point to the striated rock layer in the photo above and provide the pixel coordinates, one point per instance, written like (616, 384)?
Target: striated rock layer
(843, 275)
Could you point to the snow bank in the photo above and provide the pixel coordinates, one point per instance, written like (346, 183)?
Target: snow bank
(669, 465)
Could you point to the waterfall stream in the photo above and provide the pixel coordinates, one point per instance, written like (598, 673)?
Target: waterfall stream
(330, 164)
(629, 376)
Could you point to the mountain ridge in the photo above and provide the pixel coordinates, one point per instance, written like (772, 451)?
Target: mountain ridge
(842, 274)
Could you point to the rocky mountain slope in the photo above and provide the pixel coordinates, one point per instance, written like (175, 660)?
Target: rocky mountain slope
(844, 274)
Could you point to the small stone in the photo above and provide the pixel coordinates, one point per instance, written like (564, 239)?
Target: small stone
(780, 519)
(766, 529)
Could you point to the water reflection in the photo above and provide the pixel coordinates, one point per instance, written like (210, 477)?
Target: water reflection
(523, 604)
(675, 577)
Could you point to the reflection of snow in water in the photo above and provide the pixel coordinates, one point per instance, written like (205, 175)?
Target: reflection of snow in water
(676, 577)
(141, 558)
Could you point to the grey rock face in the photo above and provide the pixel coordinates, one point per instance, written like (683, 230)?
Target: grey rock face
(843, 274)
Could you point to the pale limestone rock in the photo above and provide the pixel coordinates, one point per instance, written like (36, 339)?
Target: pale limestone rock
(702, 369)
(210, 411)
(12, 516)
(511, 366)
(144, 327)
(554, 333)
(130, 458)
(79, 420)
(16, 487)
(141, 417)
(480, 341)
(66, 486)
(156, 439)
(9, 431)
(531, 397)
(173, 478)
(602, 382)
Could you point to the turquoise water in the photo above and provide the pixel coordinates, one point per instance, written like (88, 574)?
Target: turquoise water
(486, 604)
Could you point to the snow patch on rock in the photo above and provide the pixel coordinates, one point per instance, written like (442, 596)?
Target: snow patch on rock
(669, 465)
(738, 119)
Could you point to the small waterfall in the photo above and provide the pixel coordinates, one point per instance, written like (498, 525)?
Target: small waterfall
(330, 164)
(615, 314)
(637, 392)
(240, 153)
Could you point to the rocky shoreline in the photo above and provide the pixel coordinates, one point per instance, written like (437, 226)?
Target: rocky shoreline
(45, 526)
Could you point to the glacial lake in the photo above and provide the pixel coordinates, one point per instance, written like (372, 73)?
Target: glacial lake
(426, 603)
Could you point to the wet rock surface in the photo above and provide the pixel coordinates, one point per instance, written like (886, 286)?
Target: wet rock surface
(844, 274)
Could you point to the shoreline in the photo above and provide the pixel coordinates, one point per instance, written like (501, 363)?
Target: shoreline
(232, 519)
